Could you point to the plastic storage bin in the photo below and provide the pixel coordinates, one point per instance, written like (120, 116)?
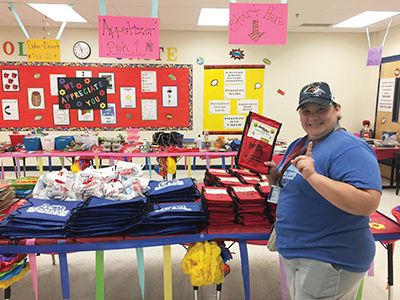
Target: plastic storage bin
(16, 139)
(87, 139)
(47, 142)
(133, 135)
(32, 143)
(63, 141)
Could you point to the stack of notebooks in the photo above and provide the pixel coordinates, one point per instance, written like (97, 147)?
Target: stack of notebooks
(219, 206)
(173, 218)
(100, 216)
(7, 196)
(250, 205)
(177, 190)
(39, 218)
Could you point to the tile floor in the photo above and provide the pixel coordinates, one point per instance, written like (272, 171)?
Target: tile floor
(121, 280)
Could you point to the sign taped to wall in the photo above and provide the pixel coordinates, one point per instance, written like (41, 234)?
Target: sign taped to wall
(230, 93)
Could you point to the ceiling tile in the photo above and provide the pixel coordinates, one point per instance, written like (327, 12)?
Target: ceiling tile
(184, 16)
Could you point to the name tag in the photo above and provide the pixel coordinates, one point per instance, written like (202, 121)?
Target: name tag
(273, 196)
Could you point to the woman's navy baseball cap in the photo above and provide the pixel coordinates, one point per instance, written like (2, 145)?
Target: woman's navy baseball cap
(316, 92)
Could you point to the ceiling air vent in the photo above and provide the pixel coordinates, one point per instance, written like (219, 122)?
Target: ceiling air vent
(315, 25)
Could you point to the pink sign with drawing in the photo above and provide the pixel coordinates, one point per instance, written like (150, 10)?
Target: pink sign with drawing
(258, 23)
(129, 37)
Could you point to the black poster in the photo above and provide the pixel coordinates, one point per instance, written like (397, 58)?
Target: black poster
(82, 93)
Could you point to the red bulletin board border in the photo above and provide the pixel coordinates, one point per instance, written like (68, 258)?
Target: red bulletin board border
(37, 75)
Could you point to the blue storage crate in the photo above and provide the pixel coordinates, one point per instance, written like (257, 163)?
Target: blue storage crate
(63, 141)
(32, 143)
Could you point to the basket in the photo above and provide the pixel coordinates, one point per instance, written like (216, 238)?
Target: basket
(16, 139)
(396, 213)
(47, 142)
(32, 143)
(63, 141)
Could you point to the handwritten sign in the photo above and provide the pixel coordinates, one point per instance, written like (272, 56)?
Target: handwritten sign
(43, 50)
(258, 23)
(129, 37)
(374, 56)
(82, 93)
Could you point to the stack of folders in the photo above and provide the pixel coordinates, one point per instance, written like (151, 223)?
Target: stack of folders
(12, 268)
(7, 196)
(100, 216)
(173, 218)
(39, 218)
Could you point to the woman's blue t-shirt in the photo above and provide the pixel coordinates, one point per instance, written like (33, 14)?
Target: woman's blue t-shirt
(309, 226)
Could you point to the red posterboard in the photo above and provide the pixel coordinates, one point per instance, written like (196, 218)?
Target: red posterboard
(145, 96)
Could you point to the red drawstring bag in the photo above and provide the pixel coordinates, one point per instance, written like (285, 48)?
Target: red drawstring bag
(258, 141)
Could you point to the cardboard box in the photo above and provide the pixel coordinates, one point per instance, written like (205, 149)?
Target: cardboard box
(25, 183)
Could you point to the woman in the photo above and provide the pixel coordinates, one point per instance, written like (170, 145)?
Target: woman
(328, 184)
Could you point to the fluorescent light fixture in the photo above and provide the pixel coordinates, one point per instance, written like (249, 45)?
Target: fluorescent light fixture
(366, 18)
(58, 12)
(214, 17)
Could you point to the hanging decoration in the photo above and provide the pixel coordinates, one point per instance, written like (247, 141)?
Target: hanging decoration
(237, 54)
(44, 27)
(267, 61)
(200, 60)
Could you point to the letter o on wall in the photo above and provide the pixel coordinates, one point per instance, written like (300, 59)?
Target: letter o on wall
(11, 46)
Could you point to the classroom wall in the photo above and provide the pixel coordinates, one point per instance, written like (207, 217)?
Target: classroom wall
(339, 59)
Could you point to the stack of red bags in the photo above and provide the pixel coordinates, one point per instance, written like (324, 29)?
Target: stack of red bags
(250, 205)
(219, 205)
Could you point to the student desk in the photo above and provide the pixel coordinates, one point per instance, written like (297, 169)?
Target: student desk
(388, 153)
(383, 228)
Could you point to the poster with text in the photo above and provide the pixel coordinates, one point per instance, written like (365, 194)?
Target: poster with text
(230, 93)
(60, 116)
(258, 23)
(109, 114)
(82, 93)
(129, 37)
(10, 109)
(386, 94)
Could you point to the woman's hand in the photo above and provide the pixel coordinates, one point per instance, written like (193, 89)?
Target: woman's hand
(273, 172)
(305, 163)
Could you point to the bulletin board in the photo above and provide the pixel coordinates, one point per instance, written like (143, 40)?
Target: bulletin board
(145, 96)
(388, 97)
(230, 93)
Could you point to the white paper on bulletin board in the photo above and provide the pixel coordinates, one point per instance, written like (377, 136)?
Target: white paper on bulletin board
(230, 93)
(386, 94)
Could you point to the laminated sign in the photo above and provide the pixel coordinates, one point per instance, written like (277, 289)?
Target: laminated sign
(258, 141)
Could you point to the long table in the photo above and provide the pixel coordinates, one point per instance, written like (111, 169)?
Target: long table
(383, 228)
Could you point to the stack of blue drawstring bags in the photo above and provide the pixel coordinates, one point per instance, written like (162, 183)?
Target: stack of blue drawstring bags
(100, 216)
(176, 208)
(170, 207)
(39, 218)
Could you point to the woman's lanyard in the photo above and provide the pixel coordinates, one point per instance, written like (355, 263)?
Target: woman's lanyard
(300, 149)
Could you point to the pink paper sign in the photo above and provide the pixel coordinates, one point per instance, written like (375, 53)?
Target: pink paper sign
(374, 56)
(129, 37)
(258, 23)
